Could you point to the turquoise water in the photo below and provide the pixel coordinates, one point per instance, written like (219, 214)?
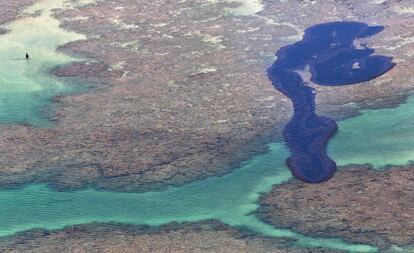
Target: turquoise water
(26, 90)
(306, 133)
(230, 199)
(383, 137)
(378, 137)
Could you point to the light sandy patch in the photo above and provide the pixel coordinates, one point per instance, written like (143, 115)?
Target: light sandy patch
(246, 7)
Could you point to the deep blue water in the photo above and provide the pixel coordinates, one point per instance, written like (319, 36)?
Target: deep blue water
(328, 49)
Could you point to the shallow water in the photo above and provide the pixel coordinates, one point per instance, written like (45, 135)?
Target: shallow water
(329, 52)
(26, 90)
(377, 137)
(230, 199)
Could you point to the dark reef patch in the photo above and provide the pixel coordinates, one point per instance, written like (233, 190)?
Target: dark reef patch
(328, 50)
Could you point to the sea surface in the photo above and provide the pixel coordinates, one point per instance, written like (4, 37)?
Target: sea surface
(27, 88)
(376, 137)
(330, 53)
(230, 198)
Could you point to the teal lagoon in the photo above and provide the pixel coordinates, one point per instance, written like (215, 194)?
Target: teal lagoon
(377, 137)
(26, 88)
(230, 199)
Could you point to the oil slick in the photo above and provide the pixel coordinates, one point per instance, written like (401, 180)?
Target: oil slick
(333, 60)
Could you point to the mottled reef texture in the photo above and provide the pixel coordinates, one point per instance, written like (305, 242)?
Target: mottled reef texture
(203, 237)
(180, 90)
(358, 204)
(9, 10)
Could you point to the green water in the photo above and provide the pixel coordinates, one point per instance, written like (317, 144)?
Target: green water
(229, 198)
(26, 90)
(377, 137)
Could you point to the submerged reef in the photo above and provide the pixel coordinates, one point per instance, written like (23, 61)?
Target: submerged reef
(328, 51)
(359, 205)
